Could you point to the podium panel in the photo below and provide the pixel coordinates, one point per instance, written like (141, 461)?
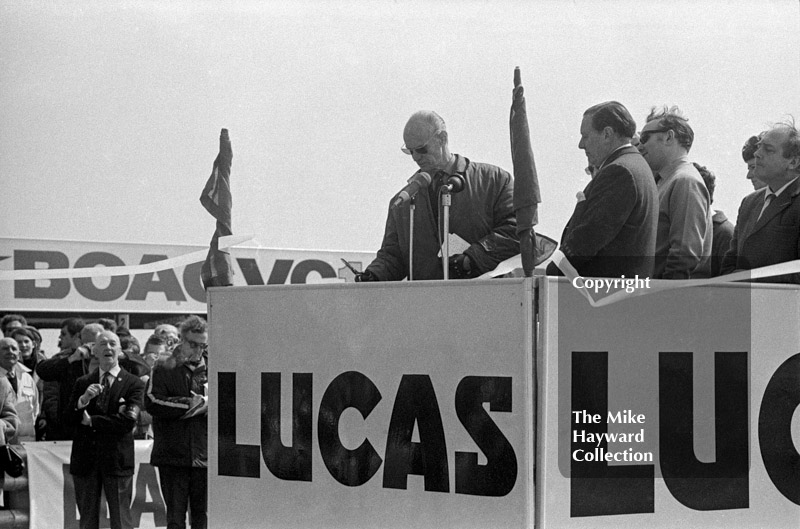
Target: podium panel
(674, 409)
(372, 405)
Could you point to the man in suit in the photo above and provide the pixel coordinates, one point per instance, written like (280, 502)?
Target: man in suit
(768, 226)
(612, 231)
(104, 407)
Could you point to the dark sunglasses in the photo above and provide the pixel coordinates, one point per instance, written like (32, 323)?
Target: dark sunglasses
(419, 150)
(645, 135)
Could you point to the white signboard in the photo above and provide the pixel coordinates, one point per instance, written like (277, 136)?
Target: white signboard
(373, 405)
(52, 492)
(673, 409)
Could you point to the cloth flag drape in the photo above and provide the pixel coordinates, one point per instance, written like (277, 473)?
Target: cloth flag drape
(216, 198)
(534, 248)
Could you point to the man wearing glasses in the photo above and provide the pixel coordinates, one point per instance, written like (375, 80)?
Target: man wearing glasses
(482, 214)
(685, 226)
(177, 399)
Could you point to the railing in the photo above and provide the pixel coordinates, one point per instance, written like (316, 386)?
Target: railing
(16, 500)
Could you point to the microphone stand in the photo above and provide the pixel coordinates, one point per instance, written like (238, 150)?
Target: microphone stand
(446, 201)
(412, 207)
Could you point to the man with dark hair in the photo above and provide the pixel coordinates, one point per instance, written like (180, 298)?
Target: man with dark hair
(65, 368)
(768, 226)
(683, 242)
(482, 215)
(722, 229)
(10, 321)
(177, 399)
(108, 324)
(749, 156)
(612, 231)
(103, 408)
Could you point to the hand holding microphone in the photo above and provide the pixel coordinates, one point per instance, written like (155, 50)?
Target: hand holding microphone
(91, 392)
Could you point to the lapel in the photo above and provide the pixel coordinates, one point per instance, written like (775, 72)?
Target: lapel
(777, 205)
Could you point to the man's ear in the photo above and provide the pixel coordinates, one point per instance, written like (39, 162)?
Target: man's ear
(794, 163)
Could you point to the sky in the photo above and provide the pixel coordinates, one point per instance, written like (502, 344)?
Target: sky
(112, 110)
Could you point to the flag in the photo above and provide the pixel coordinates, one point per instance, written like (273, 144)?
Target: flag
(217, 271)
(533, 248)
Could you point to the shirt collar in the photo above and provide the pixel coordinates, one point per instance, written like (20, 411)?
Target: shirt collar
(671, 168)
(114, 372)
(779, 191)
(629, 144)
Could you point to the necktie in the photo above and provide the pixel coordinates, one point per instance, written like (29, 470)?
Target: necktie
(102, 400)
(13, 379)
(767, 202)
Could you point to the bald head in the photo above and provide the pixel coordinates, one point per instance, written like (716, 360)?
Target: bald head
(9, 353)
(90, 331)
(425, 138)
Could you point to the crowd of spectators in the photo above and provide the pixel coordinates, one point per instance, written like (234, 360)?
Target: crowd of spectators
(158, 392)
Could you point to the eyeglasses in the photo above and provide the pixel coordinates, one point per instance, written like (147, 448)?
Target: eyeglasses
(197, 345)
(419, 150)
(644, 136)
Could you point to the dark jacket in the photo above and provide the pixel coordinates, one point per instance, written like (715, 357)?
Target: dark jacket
(108, 442)
(177, 441)
(59, 370)
(721, 240)
(612, 231)
(772, 239)
(482, 214)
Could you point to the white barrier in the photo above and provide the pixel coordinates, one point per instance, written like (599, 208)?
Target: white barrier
(344, 406)
(374, 405)
(702, 380)
(52, 493)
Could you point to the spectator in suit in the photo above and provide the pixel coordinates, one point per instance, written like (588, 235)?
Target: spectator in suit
(177, 400)
(25, 391)
(683, 243)
(612, 231)
(749, 156)
(723, 229)
(768, 226)
(103, 407)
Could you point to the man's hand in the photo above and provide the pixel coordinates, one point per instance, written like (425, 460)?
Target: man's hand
(80, 353)
(460, 267)
(366, 276)
(91, 392)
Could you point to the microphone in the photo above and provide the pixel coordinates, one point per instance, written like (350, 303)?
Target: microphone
(455, 183)
(415, 183)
